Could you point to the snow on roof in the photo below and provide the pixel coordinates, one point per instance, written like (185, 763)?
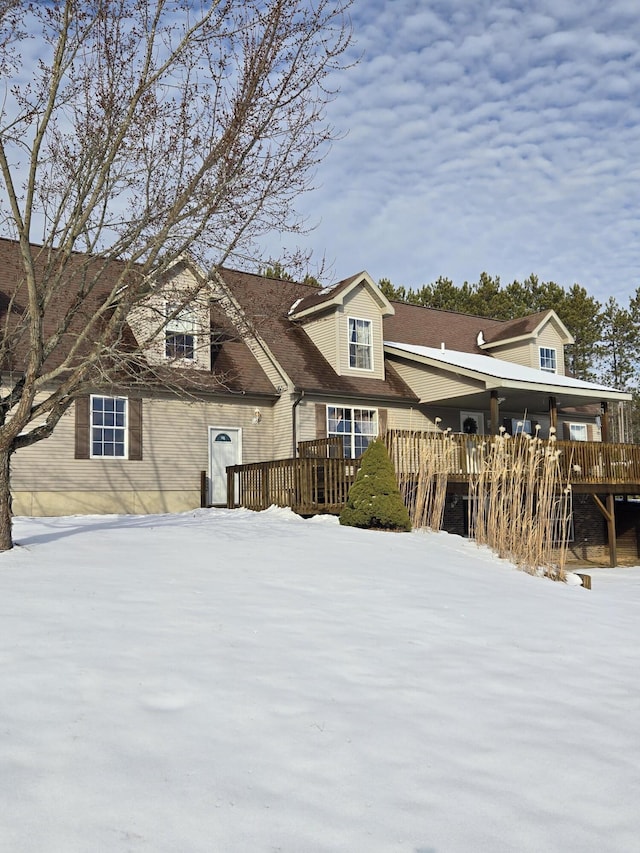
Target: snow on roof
(500, 369)
(294, 306)
(326, 290)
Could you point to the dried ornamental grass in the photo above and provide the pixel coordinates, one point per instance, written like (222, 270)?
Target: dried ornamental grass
(519, 504)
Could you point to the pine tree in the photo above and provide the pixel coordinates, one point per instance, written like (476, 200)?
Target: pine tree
(391, 292)
(620, 340)
(374, 500)
(582, 315)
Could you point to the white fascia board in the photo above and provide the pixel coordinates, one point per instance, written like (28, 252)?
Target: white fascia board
(386, 307)
(550, 316)
(596, 391)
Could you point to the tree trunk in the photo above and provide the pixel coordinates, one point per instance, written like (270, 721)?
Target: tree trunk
(6, 538)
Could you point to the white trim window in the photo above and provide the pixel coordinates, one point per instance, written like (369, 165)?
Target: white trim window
(578, 432)
(356, 427)
(180, 333)
(360, 344)
(108, 427)
(548, 361)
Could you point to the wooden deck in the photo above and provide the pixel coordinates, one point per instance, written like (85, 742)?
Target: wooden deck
(318, 481)
(308, 485)
(590, 466)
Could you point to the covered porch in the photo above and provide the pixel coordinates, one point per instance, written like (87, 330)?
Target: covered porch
(479, 394)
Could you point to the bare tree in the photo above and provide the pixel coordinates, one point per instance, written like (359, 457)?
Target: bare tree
(133, 132)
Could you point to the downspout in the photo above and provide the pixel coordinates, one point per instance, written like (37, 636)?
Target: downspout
(294, 423)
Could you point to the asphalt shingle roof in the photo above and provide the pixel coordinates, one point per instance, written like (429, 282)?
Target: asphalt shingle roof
(266, 302)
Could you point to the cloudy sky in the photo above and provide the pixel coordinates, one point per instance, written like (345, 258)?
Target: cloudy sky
(495, 135)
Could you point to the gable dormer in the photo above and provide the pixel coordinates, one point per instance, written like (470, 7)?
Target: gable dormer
(536, 341)
(344, 321)
(174, 321)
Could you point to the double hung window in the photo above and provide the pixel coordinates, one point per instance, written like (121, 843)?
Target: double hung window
(356, 427)
(360, 344)
(109, 427)
(578, 432)
(548, 359)
(180, 337)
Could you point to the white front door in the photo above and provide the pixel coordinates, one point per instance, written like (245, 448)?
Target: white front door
(224, 449)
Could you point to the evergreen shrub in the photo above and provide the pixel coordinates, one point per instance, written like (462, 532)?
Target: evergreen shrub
(374, 500)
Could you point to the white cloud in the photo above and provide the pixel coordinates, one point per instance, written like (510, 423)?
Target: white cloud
(498, 136)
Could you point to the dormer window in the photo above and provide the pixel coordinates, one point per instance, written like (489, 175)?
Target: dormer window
(180, 335)
(548, 359)
(360, 344)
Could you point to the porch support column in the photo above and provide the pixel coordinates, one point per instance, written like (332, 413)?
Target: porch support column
(609, 513)
(604, 421)
(553, 412)
(494, 413)
(611, 530)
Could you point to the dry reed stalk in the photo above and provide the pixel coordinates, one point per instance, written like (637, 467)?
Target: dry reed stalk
(423, 462)
(437, 456)
(519, 505)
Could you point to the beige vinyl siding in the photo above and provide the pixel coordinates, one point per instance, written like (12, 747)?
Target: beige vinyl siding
(169, 473)
(527, 353)
(360, 305)
(145, 319)
(408, 418)
(549, 337)
(282, 428)
(523, 353)
(324, 334)
(306, 419)
(429, 383)
(398, 417)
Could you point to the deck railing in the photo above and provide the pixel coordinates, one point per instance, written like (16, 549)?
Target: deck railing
(322, 448)
(320, 483)
(308, 485)
(581, 462)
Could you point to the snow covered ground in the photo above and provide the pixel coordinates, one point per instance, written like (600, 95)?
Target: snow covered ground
(237, 682)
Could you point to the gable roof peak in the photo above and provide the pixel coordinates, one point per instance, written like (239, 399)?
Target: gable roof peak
(335, 294)
(522, 328)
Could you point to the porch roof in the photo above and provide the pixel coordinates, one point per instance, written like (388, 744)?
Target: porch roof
(497, 374)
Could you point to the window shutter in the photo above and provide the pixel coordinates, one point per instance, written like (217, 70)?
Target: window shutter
(321, 420)
(135, 430)
(591, 433)
(566, 432)
(382, 421)
(83, 428)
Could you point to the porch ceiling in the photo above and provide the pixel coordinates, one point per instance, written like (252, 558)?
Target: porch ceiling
(514, 400)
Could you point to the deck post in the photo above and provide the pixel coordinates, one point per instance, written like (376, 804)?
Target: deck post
(265, 486)
(609, 513)
(231, 482)
(611, 530)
